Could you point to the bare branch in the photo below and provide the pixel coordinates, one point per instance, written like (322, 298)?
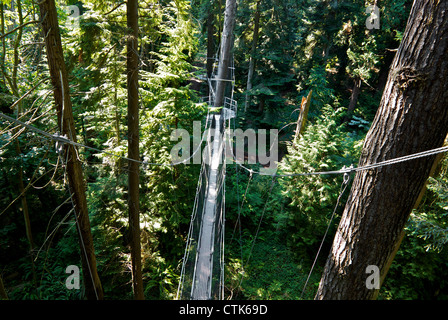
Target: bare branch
(115, 8)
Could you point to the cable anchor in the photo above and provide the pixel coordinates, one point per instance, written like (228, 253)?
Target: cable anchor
(60, 141)
(347, 172)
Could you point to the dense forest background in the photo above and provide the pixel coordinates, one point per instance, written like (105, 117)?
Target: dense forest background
(273, 235)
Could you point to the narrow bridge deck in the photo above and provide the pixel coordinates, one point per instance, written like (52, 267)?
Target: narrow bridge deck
(204, 257)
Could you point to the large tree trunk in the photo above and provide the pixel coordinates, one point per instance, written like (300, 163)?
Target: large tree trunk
(59, 81)
(133, 148)
(412, 117)
(225, 53)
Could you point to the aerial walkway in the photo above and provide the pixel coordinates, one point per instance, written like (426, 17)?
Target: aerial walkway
(203, 278)
(202, 274)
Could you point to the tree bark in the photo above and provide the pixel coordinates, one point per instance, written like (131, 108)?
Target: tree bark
(432, 173)
(224, 56)
(59, 81)
(133, 147)
(250, 73)
(412, 117)
(303, 117)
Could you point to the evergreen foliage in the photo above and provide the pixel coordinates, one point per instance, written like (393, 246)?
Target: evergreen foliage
(272, 237)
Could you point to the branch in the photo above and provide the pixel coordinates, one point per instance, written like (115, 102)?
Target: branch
(115, 8)
(29, 91)
(17, 28)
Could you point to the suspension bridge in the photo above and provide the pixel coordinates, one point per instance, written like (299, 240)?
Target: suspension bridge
(202, 274)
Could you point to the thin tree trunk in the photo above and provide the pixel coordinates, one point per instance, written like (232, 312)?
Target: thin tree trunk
(225, 53)
(22, 191)
(303, 117)
(15, 91)
(353, 98)
(12, 81)
(250, 73)
(133, 148)
(16, 50)
(59, 81)
(25, 210)
(2, 23)
(3, 294)
(412, 117)
(210, 40)
(117, 113)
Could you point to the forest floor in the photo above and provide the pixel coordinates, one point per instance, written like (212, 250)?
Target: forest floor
(273, 273)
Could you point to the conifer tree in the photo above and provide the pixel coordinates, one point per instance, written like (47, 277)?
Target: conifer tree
(412, 118)
(225, 52)
(133, 147)
(59, 81)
